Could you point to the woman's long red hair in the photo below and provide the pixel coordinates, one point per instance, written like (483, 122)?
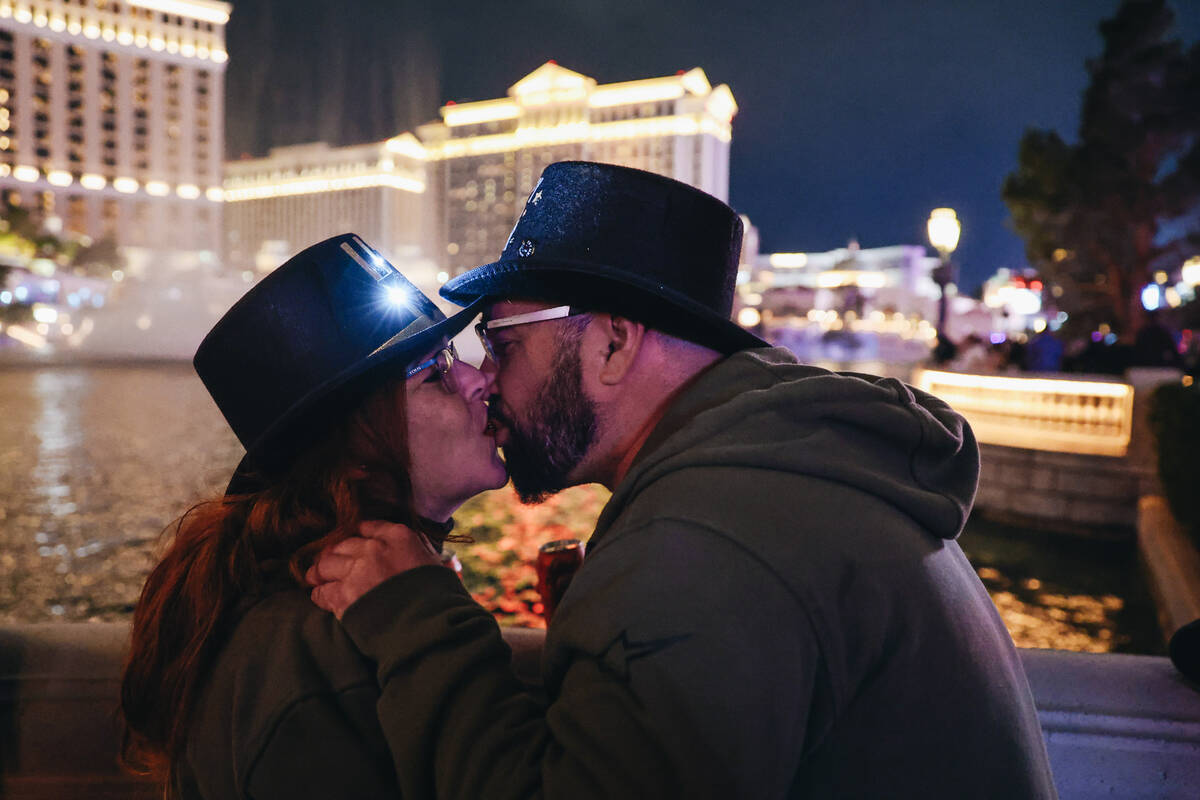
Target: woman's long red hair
(227, 551)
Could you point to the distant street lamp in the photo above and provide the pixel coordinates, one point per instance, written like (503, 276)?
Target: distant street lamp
(1190, 271)
(944, 229)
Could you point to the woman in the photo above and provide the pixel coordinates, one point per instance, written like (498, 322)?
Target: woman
(336, 374)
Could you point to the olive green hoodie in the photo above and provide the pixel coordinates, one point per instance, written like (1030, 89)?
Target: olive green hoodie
(772, 605)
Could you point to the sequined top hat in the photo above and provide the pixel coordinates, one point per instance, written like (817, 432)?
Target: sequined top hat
(308, 340)
(611, 238)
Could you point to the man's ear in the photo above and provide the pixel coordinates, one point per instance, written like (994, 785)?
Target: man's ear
(621, 340)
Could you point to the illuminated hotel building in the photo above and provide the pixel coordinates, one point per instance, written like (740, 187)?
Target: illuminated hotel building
(896, 275)
(882, 298)
(112, 120)
(487, 155)
(299, 195)
(475, 167)
(801, 296)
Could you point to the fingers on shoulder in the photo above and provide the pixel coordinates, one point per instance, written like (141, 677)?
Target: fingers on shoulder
(354, 547)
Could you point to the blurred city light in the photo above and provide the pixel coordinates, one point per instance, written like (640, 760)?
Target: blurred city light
(26, 337)
(1190, 272)
(1152, 297)
(788, 260)
(42, 313)
(93, 181)
(749, 317)
(944, 230)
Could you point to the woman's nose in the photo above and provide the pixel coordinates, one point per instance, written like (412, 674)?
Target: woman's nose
(474, 382)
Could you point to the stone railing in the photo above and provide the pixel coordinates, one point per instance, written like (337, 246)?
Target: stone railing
(59, 688)
(1084, 417)
(1059, 452)
(1115, 725)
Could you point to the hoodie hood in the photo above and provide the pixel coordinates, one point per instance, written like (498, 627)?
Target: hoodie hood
(761, 409)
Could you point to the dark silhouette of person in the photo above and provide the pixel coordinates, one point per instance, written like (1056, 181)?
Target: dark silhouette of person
(1154, 346)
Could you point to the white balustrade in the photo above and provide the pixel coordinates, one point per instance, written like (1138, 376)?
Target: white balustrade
(1085, 416)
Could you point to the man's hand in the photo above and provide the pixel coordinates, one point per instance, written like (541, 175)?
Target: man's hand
(348, 570)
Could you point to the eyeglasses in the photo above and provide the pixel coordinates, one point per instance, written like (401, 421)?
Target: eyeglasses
(443, 361)
(546, 314)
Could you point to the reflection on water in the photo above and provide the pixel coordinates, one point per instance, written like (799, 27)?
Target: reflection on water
(1064, 593)
(94, 463)
(57, 430)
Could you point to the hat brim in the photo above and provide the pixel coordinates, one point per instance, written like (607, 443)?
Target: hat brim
(271, 453)
(588, 283)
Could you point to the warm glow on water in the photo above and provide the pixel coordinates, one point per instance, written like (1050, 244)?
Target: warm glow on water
(1064, 622)
(96, 461)
(1064, 593)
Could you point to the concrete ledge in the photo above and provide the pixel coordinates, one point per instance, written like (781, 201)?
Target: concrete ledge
(1117, 725)
(79, 787)
(1172, 564)
(1076, 493)
(59, 737)
(59, 689)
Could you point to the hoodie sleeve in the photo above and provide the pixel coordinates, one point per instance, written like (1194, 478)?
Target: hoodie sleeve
(654, 690)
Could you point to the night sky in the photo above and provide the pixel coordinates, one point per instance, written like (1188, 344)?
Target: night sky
(856, 116)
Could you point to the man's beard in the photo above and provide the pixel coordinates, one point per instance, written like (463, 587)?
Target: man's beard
(542, 450)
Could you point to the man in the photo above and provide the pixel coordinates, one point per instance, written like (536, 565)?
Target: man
(772, 604)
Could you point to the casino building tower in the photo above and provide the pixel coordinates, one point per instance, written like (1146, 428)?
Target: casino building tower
(444, 198)
(112, 122)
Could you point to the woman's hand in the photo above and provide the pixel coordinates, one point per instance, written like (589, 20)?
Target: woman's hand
(351, 568)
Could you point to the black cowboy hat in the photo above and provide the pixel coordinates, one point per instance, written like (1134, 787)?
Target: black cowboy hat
(617, 239)
(308, 340)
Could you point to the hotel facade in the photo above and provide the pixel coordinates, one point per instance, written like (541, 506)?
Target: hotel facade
(112, 123)
(444, 198)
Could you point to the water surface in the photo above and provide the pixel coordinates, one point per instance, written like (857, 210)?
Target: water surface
(94, 463)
